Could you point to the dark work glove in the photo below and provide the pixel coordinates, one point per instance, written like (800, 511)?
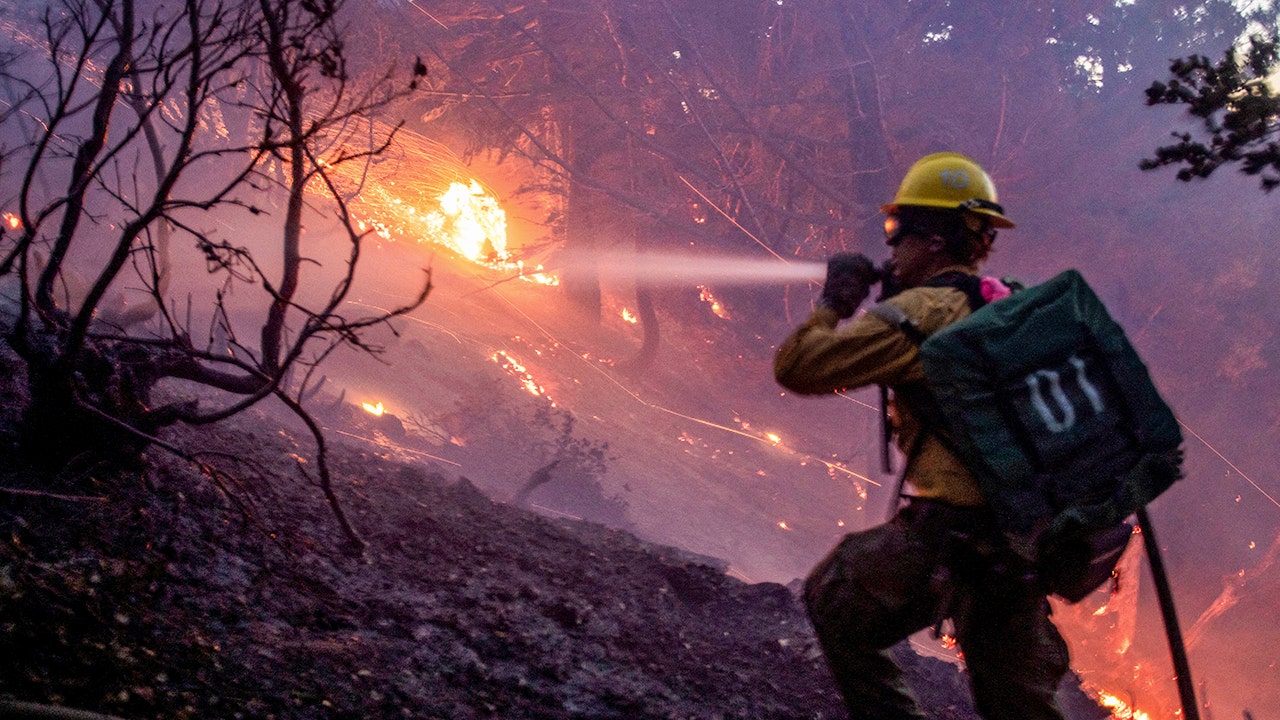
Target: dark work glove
(849, 280)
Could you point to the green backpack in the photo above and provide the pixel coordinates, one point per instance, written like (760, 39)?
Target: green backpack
(1047, 403)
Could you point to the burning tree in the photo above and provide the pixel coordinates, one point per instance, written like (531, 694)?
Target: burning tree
(134, 131)
(662, 125)
(757, 127)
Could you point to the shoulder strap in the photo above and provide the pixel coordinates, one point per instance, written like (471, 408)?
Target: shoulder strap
(898, 318)
(970, 285)
(919, 398)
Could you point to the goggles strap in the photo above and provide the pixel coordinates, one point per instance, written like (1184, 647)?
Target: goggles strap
(980, 204)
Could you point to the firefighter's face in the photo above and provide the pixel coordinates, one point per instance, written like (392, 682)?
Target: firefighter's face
(915, 256)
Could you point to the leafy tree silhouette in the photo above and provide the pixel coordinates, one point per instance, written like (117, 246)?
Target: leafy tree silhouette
(1237, 104)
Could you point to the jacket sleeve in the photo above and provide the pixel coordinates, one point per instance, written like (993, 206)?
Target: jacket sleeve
(820, 357)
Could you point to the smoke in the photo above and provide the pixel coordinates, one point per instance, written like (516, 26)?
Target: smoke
(1233, 588)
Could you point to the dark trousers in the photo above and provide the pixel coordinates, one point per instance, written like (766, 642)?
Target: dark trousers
(933, 561)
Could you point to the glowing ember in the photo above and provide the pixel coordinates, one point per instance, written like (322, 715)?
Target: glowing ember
(11, 221)
(539, 274)
(510, 364)
(629, 317)
(783, 524)
(374, 409)
(774, 438)
(1120, 709)
(704, 294)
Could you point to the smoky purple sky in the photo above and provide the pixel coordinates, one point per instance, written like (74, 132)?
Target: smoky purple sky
(705, 450)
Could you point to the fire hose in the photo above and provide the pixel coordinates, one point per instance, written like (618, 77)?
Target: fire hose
(1177, 649)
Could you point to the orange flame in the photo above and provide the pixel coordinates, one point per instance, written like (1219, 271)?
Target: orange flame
(1120, 710)
(467, 220)
(471, 221)
(424, 194)
(12, 221)
(374, 409)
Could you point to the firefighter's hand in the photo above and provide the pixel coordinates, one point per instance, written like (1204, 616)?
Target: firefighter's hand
(849, 280)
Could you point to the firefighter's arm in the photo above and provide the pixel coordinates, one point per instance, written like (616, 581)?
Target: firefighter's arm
(819, 357)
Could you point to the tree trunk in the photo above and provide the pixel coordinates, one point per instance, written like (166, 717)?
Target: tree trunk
(867, 142)
(581, 279)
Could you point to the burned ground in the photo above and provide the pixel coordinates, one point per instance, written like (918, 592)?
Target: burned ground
(161, 591)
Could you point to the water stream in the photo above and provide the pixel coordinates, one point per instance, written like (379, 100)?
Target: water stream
(684, 269)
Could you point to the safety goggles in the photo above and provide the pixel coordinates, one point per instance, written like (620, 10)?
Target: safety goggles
(987, 231)
(895, 230)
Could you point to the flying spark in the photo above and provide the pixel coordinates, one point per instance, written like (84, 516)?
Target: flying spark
(1231, 465)
(833, 468)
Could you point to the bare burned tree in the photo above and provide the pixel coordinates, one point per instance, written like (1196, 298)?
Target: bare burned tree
(134, 128)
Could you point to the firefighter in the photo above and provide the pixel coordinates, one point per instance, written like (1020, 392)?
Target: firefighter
(940, 556)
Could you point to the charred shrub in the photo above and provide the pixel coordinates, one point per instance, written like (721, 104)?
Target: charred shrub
(569, 482)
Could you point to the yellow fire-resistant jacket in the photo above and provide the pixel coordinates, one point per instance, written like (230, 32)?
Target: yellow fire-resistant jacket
(820, 357)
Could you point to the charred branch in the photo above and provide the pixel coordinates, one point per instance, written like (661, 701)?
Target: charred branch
(91, 365)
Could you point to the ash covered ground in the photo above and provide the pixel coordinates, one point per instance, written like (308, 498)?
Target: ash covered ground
(550, 535)
(162, 592)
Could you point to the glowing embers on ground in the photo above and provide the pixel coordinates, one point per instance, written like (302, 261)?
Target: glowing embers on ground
(717, 307)
(521, 373)
(374, 409)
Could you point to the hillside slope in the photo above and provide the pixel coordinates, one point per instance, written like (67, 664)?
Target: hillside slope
(164, 592)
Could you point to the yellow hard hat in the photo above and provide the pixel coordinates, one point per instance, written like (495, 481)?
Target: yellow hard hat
(953, 181)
